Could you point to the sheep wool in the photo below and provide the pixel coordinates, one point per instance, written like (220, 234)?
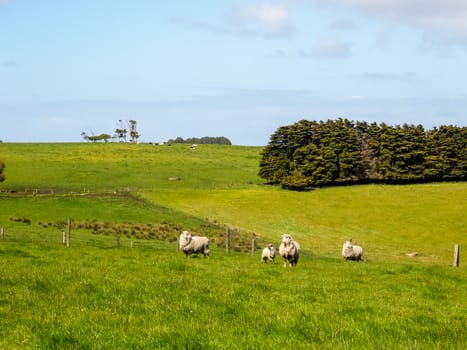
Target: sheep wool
(269, 254)
(289, 250)
(193, 244)
(351, 251)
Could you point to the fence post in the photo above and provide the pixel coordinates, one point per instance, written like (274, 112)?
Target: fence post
(227, 240)
(118, 240)
(2, 233)
(63, 237)
(253, 246)
(68, 239)
(456, 255)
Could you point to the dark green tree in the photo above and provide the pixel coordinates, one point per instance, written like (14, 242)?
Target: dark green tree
(2, 167)
(309, 154)
(447, 158)
(206, 140)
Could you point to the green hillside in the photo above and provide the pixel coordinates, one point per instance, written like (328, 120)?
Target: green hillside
(219, 184)
(142, 293)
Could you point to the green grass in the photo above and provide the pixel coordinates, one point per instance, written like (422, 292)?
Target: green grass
(144, 294)
(89, 298)
(123, 167)
(389, 221)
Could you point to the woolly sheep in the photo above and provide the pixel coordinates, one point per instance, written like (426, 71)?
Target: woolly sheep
(269, 253)
(289, 250)
(193, 244)
(351, 251)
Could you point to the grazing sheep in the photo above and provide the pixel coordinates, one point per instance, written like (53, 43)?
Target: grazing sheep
(412, 254)
(351, 251)
(269, 253)
(193, 244)
(289, 250)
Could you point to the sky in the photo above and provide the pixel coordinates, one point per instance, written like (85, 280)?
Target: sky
(239, 69)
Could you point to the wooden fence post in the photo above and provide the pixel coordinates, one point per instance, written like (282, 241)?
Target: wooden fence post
(63, 237)
(456, 255)
(227, 240)
(68, 239)
(2, 233)
(253, 246)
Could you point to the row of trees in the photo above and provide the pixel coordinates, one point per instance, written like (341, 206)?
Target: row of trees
(121, 133)
(220, 140)
(2, 175)
(311, 154)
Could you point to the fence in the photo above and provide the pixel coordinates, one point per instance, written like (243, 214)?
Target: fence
(77, 238)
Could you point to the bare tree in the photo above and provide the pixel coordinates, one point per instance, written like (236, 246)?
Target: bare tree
(121, 132)
(133, 133)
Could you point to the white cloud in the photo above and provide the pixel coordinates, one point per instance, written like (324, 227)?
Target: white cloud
(270, 20)
(327, 47)
(437, 19)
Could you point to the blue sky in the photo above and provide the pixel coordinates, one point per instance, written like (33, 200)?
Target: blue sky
(238, 69)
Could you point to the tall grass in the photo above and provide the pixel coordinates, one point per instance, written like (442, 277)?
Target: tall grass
(97, 295)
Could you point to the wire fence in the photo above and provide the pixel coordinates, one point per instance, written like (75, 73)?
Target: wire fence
(445, 255)
(80, 238)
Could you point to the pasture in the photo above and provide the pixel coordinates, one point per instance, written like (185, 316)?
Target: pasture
(144, 294)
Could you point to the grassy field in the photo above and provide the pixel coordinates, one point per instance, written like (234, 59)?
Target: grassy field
(144, 294)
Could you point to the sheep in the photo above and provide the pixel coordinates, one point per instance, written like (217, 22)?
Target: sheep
(269, 253)
(193, 244)
(289, 250)
(351, 251)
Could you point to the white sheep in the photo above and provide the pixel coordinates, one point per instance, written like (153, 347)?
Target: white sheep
(193, 244)
(351, 251)
(269, 253)
(289, 250)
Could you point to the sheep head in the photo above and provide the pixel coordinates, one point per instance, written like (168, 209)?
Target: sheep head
(348, 244)
(286, 239)
(185, 239)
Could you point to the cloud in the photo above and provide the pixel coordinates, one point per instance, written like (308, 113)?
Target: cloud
(268, 19)
(278, 53)
(8, 63)
(199, 25)
(326, 48)
(344, 24)
(402, 77)
(438, 20)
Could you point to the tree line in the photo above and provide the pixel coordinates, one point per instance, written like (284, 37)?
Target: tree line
(2, 167)
(207, 140)
(311, 154)
(121, 133)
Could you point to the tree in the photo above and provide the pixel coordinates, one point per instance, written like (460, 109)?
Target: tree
(134, 135)
(93, 138)
(2, 167)
(206, 140)
(121, 132)
(447, 153)
(309, 154)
